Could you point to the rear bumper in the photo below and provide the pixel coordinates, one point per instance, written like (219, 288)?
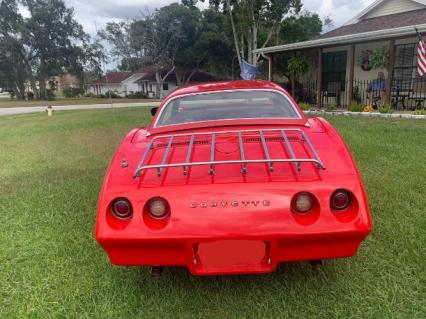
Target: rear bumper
(277, 249)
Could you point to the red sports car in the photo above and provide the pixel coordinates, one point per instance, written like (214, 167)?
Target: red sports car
(231, 178)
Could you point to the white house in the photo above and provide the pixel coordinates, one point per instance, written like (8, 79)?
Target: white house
(143, 81)
(114, 81)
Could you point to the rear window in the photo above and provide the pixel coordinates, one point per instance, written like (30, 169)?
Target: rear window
(216, 106)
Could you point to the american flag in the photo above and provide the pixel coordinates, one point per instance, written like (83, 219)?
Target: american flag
(421, 56)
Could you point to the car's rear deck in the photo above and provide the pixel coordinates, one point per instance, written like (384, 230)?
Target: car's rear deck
(229, 153)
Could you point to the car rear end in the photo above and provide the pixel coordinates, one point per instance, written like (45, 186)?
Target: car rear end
(233, 216)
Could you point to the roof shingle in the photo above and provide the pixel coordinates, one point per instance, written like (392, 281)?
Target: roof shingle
(113, 78)
(396, 20)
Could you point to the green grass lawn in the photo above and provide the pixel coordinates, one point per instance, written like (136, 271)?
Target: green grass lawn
(68, 101)
(51, 170)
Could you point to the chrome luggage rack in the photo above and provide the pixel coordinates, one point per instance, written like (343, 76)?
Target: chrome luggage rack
(282, 136)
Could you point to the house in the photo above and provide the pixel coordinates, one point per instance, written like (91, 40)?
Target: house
(56, 83)
(144, 81)
(113, 81)
(147, 83)
(341, 61)
(60, 82)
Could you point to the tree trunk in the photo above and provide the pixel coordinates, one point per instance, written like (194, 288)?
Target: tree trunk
(234, 32)
(19, 89)
(190, 76)
(34, 87)
(159, 83)
(42, 85)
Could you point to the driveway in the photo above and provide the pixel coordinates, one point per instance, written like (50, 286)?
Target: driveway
(37, 109)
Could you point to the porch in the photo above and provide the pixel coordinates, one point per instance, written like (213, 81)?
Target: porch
(340, 71)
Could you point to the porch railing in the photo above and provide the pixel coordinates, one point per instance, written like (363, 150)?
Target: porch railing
(404, 95)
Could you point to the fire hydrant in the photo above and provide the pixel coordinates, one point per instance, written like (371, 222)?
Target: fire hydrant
(49, 110)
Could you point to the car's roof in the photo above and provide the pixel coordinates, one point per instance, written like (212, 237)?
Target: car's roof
(225, 85)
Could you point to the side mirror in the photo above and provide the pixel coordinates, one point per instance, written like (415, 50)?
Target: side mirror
(154, 111)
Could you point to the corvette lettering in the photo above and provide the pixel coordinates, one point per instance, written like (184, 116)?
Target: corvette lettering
(232, 203)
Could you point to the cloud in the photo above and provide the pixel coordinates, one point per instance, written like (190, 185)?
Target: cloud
(94, 14)
(340, 11)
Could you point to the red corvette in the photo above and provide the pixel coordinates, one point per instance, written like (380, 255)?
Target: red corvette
(231, 178)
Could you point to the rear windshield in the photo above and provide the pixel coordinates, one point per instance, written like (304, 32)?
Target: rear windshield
(227, 106)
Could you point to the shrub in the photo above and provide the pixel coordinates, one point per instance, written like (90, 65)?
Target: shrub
(385, 108)
(110, 94)
(30, 96)
(50, 95)
(305, 106)
(356, 107)
(420, 112)
(330, 107)
(72, 92)
(136, 95)
(90, 94)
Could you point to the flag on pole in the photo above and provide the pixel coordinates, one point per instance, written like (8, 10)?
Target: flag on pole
(421, 56)
(248, 71)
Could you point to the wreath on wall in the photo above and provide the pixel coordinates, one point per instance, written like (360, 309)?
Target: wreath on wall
(365, 60)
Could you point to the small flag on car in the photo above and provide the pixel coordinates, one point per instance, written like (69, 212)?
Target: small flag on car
(421, 56)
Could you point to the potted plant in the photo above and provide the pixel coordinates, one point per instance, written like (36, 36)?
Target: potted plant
(297, 65)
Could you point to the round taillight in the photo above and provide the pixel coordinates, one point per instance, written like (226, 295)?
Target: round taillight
(122, 208)
(341, 199)
(158, 208)
(303, 202)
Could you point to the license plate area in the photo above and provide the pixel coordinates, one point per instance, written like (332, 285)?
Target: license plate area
(231, 253)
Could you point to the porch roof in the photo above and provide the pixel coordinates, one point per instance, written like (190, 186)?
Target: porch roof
(378, 35)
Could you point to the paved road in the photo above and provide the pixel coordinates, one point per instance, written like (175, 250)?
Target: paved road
(37, 109)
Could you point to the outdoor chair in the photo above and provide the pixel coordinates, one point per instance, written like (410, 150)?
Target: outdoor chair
(334, 90)
(418, 94)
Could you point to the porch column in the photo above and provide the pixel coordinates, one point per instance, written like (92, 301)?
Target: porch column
(319, 78)
(351, 75)
(391, 63)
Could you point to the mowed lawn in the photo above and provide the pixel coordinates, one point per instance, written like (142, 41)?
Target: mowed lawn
(68, 101)
(51, 170)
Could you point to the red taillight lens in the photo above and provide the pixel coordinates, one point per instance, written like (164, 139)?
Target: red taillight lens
(303, 202)
(158, 208)
(122, 208)
(341, 199)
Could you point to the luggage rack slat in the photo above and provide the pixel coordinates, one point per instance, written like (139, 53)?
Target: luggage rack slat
(290, 149)
(166, 156)
(242, 155)
(212, 153)
(188, 154)
(242, 161)
(311, 147)
(265, 149)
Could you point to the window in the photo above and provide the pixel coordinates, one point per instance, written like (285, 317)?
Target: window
(215, 106)
(334, 69)
(404, 71)
(165, 86)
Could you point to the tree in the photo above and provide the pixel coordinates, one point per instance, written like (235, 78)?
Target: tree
(299, 28)
(254, 22)
(13, 72)
(125, 44)
(214, 47)
(159, 38)
(47, 42)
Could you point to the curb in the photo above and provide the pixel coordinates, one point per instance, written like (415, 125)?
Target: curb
(368, 114)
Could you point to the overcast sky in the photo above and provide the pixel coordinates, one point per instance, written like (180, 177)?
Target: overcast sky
(93, 14)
